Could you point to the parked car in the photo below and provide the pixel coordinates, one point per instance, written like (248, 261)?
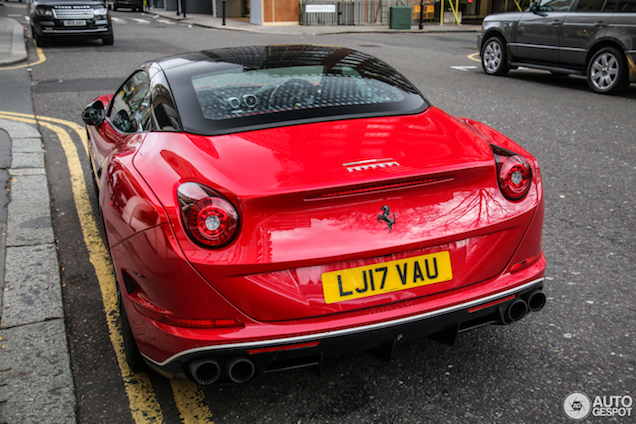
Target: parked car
(268, 206)
(596, 38)
(53, 19)
(135, 5)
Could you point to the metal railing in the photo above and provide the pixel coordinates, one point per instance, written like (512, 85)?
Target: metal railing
(361, 12)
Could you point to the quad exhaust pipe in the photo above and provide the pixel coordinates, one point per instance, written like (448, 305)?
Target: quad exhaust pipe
(207, 371)
(240, 370)
(518, 309)
(536, 300)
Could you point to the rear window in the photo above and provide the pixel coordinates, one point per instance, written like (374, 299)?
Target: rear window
(308, 83)
(236, 95)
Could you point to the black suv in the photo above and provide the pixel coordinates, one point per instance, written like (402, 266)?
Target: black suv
(596, 38)
(69, 18)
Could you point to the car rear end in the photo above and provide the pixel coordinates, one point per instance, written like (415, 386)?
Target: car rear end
(298, 235)
(319, 266)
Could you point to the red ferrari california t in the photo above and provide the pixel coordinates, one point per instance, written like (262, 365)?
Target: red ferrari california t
(268, 206)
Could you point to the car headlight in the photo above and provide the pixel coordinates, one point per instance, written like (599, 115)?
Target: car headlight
(42, 11)
(100, 11)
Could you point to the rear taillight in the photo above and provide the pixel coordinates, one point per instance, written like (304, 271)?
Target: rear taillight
(210, 220)
(514, 173)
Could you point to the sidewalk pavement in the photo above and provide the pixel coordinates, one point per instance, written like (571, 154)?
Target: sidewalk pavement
(12, 47)
(36, 385)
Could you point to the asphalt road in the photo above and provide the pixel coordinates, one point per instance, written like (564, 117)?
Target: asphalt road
(583, 340)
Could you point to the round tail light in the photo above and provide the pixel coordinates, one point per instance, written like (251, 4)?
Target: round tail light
(213, 221)
(515, 177)
(210, 220)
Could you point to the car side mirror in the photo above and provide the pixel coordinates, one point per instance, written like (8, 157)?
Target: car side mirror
(94, 113)
(534, 7)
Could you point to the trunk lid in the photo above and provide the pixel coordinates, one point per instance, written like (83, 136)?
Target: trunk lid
(336, 195)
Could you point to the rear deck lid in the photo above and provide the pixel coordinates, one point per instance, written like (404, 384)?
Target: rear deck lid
(412, 191)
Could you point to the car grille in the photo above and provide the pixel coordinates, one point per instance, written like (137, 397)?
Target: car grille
(73, 13)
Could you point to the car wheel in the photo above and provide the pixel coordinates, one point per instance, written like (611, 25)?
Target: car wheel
(108, 41)
(131, 351)
(607, 71)
(114, 7)
(494, 60)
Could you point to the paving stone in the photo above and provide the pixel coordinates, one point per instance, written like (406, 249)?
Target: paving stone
(24, 145)
(18, 130)
(32, 290)
(27, 171)
(36, 377)
(29, 188)
(27, 160)
(29, 223)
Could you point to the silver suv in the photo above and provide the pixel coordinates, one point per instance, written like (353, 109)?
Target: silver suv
(596, 38)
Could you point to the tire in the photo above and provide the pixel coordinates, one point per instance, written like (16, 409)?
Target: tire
(108, 41)
(494, 59)
(607, 71)
(114, 6)
(133, 356)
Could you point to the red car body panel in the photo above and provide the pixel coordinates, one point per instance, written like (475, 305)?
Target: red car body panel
(271, 273)
(310, 198)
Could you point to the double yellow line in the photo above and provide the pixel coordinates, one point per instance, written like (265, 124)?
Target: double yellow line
(143, 403)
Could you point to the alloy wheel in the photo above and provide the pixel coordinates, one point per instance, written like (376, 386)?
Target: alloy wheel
(492, 56)
(605, 71)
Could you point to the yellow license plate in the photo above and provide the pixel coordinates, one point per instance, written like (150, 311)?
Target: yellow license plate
(365, 281)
